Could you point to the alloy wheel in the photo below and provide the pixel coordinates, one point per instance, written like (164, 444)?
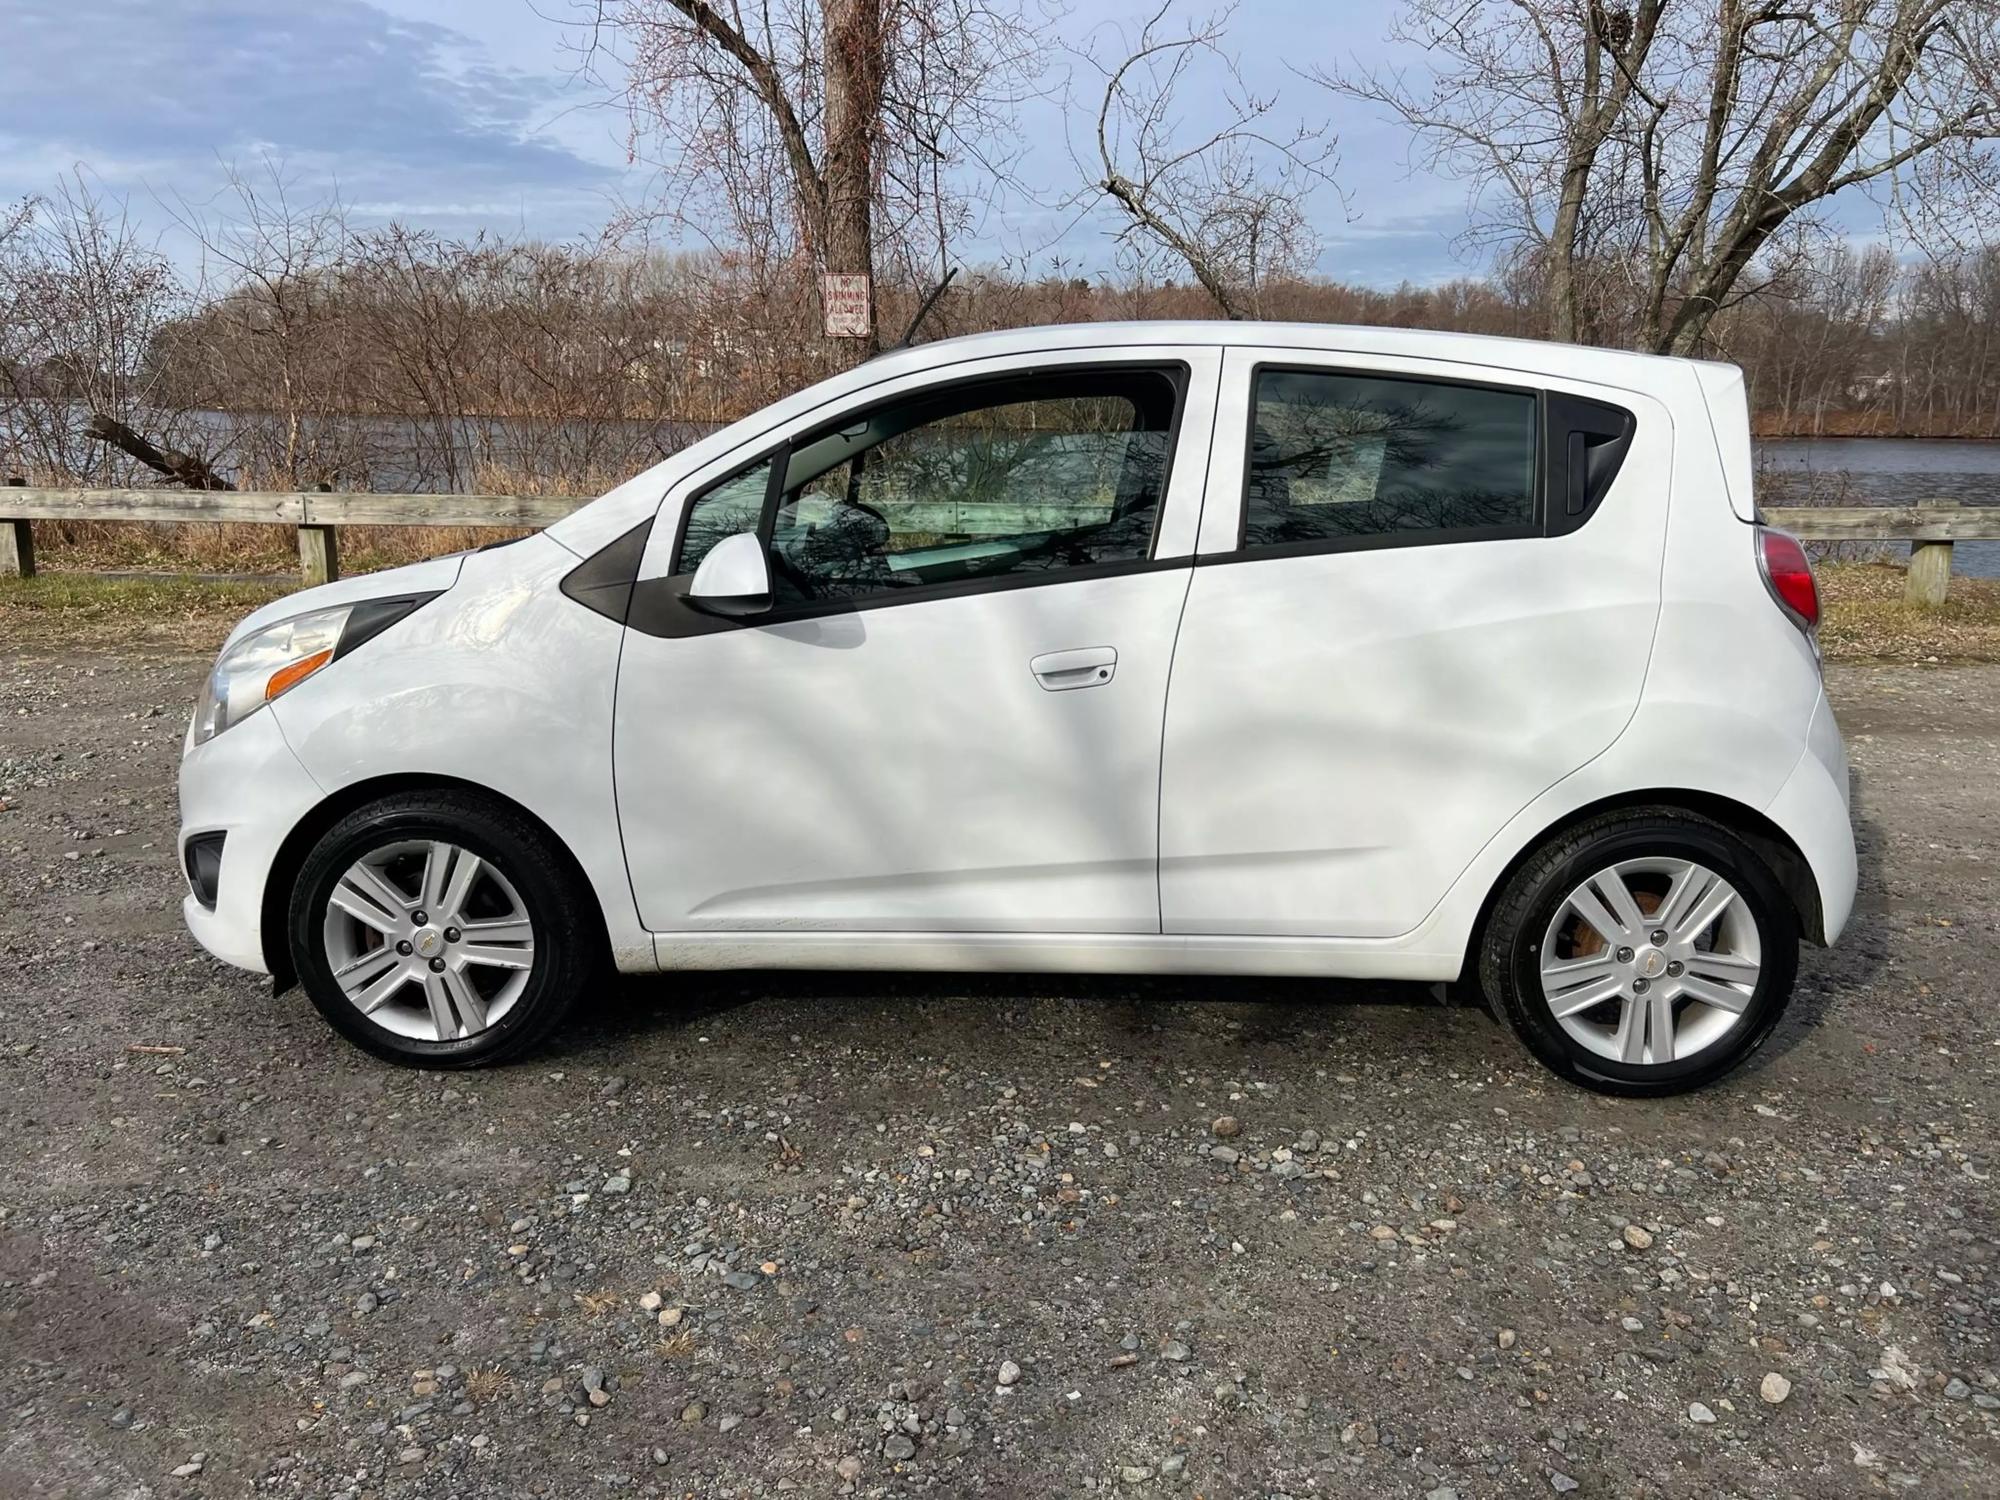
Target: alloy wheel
(429, 940)
(1651, 961)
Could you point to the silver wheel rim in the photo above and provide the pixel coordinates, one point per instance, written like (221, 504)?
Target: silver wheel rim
(429, 941)
(1651, 961)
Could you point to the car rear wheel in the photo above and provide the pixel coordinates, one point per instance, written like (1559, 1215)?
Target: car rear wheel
(441, 929)
(1646, 951)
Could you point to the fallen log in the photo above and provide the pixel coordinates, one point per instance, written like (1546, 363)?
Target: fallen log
(185, 467)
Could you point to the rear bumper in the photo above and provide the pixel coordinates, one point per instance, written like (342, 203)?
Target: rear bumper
(1812, 808)
(246, 784)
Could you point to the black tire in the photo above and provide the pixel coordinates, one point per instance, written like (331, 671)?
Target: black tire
(1509, 952)
(568, 929)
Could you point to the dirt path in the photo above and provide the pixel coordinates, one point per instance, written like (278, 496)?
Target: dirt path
(864, 1203)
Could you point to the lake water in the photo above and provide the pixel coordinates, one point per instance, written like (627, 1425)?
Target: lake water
(1887, 471)
(1791, 471)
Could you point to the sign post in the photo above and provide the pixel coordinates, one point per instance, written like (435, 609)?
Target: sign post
(845, 298)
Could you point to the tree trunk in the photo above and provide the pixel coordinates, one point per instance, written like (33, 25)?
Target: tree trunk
(853, 114)
(1564, 324)
(189, 470)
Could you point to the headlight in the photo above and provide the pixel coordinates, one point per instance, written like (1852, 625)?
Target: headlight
(260, 667)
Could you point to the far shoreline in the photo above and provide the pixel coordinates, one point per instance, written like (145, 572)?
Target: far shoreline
(1763, 434)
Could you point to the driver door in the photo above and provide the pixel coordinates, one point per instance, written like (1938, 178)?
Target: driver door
(950, 718)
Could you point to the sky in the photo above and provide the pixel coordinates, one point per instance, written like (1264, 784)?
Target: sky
(461, 115)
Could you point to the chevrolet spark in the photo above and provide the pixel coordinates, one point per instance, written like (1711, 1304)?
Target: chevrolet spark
(1194, 648)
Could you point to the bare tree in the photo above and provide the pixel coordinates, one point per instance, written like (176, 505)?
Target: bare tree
(275, 324)
(1231, 202)
(1667, 144)
(87, 303)
(838, 135)
(16, 389)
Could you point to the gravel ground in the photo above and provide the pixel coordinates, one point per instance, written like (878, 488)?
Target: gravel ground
(761, 1235)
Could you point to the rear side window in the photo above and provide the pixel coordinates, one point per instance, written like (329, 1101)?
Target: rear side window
(1357, 459)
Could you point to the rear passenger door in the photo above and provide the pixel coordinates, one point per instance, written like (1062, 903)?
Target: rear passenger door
(1424, 593)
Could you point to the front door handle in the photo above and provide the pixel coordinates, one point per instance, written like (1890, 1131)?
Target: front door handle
(1087, 666)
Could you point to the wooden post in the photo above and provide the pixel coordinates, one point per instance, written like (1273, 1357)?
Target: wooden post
(17, 544)
(1930, 574)
(319, 555)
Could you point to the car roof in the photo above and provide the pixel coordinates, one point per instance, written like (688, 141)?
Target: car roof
(1530, 356)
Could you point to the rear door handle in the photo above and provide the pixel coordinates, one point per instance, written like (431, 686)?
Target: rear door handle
(1087, 666)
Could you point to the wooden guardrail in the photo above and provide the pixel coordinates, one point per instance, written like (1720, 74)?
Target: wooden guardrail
(315, 513)
(1930, 529)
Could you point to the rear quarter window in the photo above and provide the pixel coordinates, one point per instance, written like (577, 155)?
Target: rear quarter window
(1362, 458)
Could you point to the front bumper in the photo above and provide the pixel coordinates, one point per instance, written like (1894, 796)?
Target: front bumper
(248, 785)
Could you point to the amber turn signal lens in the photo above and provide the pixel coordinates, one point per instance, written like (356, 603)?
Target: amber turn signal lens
(291, 676)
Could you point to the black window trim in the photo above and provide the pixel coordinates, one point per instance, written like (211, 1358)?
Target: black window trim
(1548, 519)
(1178, 375)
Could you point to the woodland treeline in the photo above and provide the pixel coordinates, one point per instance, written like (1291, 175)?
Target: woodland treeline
(315, 353)
(311, 353)
(1674, 177)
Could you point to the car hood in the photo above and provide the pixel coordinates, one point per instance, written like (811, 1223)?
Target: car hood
(430, 577)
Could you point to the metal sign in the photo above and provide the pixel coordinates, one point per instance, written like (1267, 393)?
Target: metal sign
(846, 299)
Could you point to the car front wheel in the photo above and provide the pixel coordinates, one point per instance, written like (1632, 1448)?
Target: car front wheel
(440, 929)
(1643, 952)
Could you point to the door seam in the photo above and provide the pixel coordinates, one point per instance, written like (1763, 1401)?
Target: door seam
(1173, 654)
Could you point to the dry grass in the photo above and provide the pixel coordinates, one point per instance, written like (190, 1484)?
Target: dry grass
(68, 608)
(488, 1385)
(1865, 618)
(1880, 424)
(599, 1304)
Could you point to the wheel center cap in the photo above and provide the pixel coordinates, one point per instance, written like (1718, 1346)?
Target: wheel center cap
(428, 942)
(1652, 962)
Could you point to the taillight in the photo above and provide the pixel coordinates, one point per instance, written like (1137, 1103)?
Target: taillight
(1789, 575)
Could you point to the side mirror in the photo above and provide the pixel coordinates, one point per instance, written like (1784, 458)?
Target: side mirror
(734, 580)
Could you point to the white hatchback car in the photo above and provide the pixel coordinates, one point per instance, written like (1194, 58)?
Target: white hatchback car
(1211, 648)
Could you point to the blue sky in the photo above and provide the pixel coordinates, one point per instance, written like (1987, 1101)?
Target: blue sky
(468, 114)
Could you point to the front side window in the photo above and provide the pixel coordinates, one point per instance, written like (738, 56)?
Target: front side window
(985, 481)
(1346, 458)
